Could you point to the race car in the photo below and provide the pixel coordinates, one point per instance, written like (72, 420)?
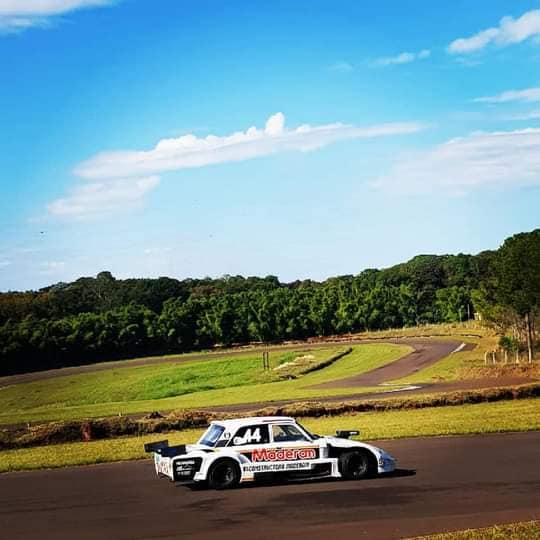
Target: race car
(248, 449)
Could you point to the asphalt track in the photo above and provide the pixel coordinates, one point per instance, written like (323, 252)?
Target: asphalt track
(444, 483)
(425, 353)
(119, 364)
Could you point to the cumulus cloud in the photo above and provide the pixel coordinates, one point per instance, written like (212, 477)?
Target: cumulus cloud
(508, 32)
(402, 58)
(479, 160)
(16, 15)
(190, 151)
(526, 95)
(96, 198)
(112, 181)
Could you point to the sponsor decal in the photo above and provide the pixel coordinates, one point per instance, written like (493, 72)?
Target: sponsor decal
(276, 467)
(282, 454)
(163, 466)
(250, 436)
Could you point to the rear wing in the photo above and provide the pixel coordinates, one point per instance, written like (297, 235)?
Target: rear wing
(345, 434)
(156, 446)
(163, 449)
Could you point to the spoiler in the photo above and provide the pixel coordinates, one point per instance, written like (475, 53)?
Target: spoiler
(156, 446)
(345, 434)
(163, 449)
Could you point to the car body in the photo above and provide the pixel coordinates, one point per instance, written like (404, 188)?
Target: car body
(248, 449)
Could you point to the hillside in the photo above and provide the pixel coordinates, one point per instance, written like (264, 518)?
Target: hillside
(103, 318)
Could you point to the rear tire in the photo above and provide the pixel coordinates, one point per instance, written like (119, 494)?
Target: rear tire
(357, 464)
(224, 474)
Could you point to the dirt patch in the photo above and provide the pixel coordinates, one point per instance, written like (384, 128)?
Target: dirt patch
(503, 371)
(306, 363)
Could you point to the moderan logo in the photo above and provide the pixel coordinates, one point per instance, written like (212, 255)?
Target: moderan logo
(283, 454)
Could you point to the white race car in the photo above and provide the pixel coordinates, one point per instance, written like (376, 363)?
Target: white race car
(247, 449)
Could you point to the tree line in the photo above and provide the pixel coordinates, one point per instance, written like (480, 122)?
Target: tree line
(103, 318)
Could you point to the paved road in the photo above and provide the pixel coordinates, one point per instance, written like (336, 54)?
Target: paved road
(425, 353)
(180, 359)
(444, 483)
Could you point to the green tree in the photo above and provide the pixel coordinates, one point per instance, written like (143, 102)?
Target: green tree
(517, 274)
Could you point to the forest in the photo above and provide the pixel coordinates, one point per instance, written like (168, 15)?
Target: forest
(102, 318)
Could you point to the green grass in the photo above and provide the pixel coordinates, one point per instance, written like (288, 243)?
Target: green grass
(529, 530)
(504, 416)
(187, 385)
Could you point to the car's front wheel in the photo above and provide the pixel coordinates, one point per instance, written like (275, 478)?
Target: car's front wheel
(224, 474)
(357, 464)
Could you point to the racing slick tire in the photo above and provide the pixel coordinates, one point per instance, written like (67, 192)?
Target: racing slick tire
(357, 464)
(224, 474)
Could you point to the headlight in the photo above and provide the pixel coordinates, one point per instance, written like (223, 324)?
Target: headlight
(386, 459)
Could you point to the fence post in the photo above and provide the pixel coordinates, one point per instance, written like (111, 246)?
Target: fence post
(266, 360)
(493, 357)
(486, 358)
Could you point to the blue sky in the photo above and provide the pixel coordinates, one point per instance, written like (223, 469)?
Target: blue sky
(382, 130)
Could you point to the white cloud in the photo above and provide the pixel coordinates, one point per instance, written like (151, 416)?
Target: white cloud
(509, 31)
(96, 198)
(16, 15)
(190, 151)
(527, 95)
(117, 180)
(402, 58)
(479, 160)
(530, 115)
(342, 67)
(52, 267)
(157, 250)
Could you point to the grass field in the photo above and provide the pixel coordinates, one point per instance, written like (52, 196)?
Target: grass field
(194, 384)
(529, 530)
(504, 416)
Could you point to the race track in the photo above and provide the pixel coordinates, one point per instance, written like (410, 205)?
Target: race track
(444, 483)
(444, 347)
(425, 352)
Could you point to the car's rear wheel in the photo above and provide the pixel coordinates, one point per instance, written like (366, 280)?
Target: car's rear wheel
(357, 464)
(224, 474)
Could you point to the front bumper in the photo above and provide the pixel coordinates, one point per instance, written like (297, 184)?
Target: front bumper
(386, 464)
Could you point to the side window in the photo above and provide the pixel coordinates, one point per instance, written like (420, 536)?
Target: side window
(287, 433)
(251, 435)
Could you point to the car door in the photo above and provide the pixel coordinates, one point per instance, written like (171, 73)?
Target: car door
(249, 440)
(292, 447)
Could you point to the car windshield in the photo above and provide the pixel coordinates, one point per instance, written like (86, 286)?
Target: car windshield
(311, 435)
(212, 435)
